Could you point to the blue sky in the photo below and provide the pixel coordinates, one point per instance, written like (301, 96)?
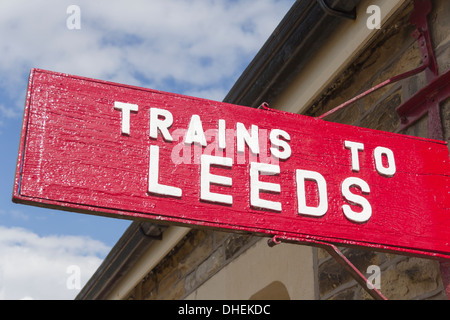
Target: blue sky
(192, 47)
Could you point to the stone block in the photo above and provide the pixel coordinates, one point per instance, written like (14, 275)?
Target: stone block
(331, 276)
(234, 243)
(213, 263)
(382, 116)
(195, 250)
(410, 278)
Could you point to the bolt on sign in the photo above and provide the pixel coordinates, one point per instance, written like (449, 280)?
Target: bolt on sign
(103, 148)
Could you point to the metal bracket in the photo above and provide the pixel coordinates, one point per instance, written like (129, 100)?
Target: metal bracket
(373, 89)
(340, 258)
(264, 105)
(437, 89)
(151, 232)
(419, 18)
(336, 12)
(426, 100)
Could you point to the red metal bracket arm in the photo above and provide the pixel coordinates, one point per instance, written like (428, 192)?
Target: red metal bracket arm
(426, 101)
(409, 112)
(419, 18)
(373, 89)
(340, 258)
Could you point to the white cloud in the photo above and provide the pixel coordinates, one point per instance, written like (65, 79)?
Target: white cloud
(37, 267)
(181, 45)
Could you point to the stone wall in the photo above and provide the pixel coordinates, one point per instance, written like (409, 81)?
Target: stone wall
(194, 260)
(394, 53)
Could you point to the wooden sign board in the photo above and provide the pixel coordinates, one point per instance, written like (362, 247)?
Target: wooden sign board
(110, 149)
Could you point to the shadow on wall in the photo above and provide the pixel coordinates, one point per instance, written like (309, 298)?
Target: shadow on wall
(273, 291)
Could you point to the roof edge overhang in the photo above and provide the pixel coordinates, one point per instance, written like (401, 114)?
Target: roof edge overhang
(298, 37)
(138, 237)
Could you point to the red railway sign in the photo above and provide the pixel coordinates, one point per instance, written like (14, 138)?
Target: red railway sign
(110, 149)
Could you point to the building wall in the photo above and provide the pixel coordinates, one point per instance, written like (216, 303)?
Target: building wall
(216, 265)
(283, 272)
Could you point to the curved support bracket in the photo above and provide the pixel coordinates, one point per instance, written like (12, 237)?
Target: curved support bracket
(151, 234)
(340, 258)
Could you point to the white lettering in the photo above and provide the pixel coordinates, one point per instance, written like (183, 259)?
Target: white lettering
(153, 176)
(74, 20)
(126, 109)
(354, 148)
(388, 171)
(74, 279)
(374, 21)
(221, 134)
(161, 120)
(352, 198)
(207, 178)
(322, 208)
(256, 186)
(242, 137)
(277, 142)
(374, 280)
(160, 124)
(195, 133)
(189, 310)
(242, 309)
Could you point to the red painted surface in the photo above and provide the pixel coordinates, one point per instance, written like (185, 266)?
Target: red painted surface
(74, 156)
